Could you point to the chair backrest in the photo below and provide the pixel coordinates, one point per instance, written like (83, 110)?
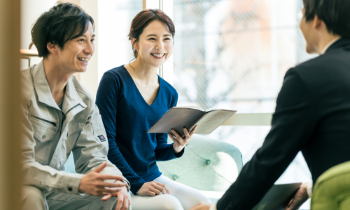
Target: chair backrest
(332, 189)
(207, 164)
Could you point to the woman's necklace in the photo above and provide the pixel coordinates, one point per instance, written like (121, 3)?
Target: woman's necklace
(142, 84)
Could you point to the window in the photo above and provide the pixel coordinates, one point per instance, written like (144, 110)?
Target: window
(234, 54)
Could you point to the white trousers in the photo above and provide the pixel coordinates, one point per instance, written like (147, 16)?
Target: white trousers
(181, 197)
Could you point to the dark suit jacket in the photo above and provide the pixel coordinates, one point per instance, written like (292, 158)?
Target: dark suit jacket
(312, 115)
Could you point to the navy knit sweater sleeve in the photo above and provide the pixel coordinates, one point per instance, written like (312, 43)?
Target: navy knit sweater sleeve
(127, 118)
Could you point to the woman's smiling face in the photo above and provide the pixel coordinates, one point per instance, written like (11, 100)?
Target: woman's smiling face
(155, 44)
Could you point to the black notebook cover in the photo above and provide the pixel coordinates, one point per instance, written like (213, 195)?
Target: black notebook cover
(278, 197)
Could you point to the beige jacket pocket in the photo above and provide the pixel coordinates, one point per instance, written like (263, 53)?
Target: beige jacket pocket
(43, 131)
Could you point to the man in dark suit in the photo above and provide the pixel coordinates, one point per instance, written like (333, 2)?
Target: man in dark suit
(312, 113)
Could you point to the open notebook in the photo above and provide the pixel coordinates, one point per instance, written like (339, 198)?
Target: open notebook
(188, 117)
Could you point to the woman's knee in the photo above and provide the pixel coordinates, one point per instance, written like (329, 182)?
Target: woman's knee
(202, 198)
(33, 198)
(159, 202)
(169, 202)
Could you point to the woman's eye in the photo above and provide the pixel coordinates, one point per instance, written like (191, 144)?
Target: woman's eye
(80, 40)
(152, 39)
(92, 40)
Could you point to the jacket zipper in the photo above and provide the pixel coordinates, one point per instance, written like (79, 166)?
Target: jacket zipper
(64, 118)
(72, 108)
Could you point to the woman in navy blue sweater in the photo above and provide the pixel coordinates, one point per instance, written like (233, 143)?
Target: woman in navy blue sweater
(131, 98)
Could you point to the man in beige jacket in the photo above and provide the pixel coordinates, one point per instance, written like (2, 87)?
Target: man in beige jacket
(60, 118)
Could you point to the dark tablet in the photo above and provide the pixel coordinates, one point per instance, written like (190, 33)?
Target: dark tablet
(278, 197)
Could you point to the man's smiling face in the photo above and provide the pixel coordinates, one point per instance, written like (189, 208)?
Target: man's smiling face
(77, 52)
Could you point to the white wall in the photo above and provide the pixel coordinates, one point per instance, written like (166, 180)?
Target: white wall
(90, 77)
(168, 67)
(30, 12)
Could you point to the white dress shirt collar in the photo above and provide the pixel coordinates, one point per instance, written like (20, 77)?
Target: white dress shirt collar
(329, 44)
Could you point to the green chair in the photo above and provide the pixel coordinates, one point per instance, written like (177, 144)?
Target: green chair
(332, 189)
(208, 165)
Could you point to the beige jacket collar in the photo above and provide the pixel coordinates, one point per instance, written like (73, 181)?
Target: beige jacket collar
(71, 97)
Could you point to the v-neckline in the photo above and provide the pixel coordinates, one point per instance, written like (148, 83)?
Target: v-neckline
(155, 99)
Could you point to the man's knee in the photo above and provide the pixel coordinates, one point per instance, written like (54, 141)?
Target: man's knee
(33, 198)
(169, 202)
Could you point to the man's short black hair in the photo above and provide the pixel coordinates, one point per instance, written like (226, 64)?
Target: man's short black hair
(334, 13)
(61, 23)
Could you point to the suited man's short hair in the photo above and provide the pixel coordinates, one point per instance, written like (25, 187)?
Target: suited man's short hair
(61, 23)
(334, 13)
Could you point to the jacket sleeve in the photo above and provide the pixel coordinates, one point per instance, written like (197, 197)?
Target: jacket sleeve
(91, 148)
(165, 151)
(38, 175)
(106, 100)
(292, 125)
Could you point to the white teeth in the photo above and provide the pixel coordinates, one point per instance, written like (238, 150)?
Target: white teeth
(83, 59)
(158, 55)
